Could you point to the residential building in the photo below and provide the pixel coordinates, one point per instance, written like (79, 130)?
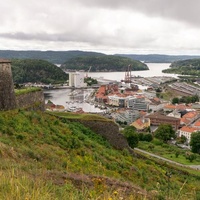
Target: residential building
(175, 114)
(101, 96)
(156, 119)
(169, 107)
(187, 132)
(196, 124)
(141, 123)
(154, 107)
(189, 118)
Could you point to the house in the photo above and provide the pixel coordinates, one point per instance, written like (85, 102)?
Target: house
(141, 123)
(155, 104)
(189, 118)
(175, 114)
(100, 96)
(187, 132)
(196, 124)
(169, 107)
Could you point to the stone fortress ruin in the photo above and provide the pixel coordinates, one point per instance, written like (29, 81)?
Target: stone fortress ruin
(8, 99)
(7, 94)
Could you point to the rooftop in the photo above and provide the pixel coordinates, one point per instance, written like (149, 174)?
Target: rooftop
(188, 129)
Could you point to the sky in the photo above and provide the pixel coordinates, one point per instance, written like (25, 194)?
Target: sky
(109, 26)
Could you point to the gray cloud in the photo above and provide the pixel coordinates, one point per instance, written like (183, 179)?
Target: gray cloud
(184, 10)
(135, 25)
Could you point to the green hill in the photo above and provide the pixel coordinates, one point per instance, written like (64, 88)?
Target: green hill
(158, 58)
(48, 157)
(32, 70)
(103, 63)
(59, 57)
(56, 57)
(185, 67)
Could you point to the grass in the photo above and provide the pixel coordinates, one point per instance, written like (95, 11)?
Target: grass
(169, 152)
(26, 90)
(45, 157)
(84, 116)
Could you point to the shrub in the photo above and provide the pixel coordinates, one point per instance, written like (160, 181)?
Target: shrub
(148, 137)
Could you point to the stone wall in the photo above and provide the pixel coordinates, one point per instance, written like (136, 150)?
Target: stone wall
(32, 101)
(7, 94)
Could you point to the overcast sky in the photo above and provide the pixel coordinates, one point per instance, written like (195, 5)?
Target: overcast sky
(108, 26)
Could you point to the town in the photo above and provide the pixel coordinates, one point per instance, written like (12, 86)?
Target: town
(139, 102)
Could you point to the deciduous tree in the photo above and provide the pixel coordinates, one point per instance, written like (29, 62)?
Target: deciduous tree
(131, 136)
(165, 132)
(195, 142)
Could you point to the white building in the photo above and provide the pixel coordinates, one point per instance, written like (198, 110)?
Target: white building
(76, 79)
(175, 114)
(187, 132)
(116, 100)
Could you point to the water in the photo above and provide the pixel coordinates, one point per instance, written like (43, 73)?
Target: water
(155, 69)
(63, 97)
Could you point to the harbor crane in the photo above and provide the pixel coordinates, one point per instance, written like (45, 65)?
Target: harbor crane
(127, 78)
(87, 73)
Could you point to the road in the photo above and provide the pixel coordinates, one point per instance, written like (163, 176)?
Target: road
(167, 160)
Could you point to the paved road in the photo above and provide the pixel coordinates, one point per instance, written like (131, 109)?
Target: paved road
(167, 160)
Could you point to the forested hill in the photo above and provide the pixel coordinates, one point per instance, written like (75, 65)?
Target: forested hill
(103, 63)
(32, 70)
(56, 57)
(158, 58)
(185, 67)
(191, 63)
(59, 57)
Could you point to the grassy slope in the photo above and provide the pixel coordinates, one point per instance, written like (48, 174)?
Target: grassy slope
(26, 90)
(43, 157)
(169, 152)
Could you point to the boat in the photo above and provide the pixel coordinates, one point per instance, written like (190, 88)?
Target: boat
(73, 109)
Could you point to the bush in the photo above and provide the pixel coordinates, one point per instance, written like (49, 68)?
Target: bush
(131, 136)
(148, 137)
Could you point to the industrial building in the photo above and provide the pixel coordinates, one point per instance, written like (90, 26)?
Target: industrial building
(76, 79)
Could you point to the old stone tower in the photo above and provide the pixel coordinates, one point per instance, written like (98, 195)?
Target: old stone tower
(7, 94)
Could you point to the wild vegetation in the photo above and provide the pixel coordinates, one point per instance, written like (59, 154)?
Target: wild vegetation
(26, 90)
(103, 63)
(90, 81)
(46, 157)
(32, 70)
(171, 152)
(185, 99)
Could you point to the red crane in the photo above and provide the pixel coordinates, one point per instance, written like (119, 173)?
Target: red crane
(127, 78)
